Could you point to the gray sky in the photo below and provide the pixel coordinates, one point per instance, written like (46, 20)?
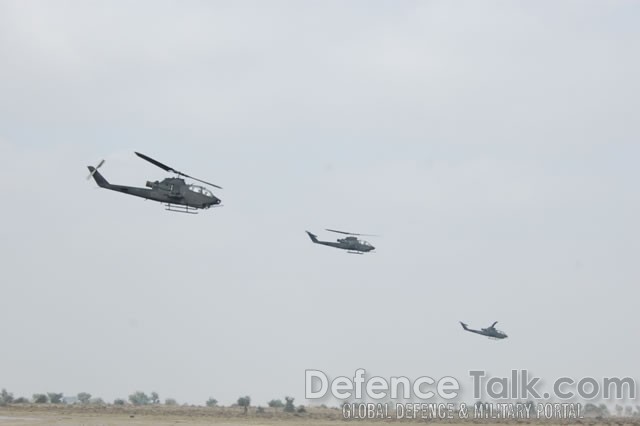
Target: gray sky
(493, 145)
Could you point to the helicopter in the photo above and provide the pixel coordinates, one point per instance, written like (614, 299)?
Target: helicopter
(350, 243)
(490, 331)
(174, 192)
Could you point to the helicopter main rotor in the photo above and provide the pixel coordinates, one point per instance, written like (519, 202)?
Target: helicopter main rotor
(171, 169)
(350, 233)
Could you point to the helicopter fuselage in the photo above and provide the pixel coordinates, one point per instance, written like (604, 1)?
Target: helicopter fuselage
(489, 332)
(172, 191)
(351, 244)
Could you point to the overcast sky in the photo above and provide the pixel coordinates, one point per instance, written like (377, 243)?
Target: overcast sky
(493, 145)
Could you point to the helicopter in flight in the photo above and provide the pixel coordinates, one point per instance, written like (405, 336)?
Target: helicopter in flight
(174, 192)
(490, 331)
(350, 243)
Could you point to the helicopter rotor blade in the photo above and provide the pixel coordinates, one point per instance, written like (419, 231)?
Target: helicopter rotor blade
(157, 163)
(171, 169)
(200, 180)
(350, 233)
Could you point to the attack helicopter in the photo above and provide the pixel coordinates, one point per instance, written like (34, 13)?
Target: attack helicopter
(350, 243)
(173, 192)
(490, 331)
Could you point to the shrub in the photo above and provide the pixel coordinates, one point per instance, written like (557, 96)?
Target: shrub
(212, 402)
(55, 398)
(6, 397)
(119, 401)
(170, 401)
(289, 407)
(245, 402)
(276, 403)
(84, 397)
(40, 398)
(139, 398)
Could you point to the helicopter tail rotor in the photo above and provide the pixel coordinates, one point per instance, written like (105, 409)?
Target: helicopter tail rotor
(100, 180)
(93, 170)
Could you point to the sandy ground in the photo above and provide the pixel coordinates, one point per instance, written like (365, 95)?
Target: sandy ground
(50, 415)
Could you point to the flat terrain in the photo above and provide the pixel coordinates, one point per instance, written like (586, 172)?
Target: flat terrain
(61, 415)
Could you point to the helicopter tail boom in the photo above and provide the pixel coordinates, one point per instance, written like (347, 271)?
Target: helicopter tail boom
(100, 180)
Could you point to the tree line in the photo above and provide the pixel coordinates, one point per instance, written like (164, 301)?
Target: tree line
(137, 398)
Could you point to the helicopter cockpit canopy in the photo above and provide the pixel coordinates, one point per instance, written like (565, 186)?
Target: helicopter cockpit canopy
(200, 190)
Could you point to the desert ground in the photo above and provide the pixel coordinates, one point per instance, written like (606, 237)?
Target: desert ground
(62, 415)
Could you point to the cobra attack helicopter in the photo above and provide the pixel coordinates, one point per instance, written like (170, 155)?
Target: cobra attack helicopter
(350, 243)
(175, 193)
(490, 331)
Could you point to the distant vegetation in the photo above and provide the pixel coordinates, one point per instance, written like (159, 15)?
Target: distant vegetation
(592, 410)
(139, 398)
(40, 398)
(84, 397)
(289, 407)
(54, 398)
(245, 402)
(275, 403)
(5, 397)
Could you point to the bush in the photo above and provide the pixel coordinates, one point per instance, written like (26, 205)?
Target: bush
(170, 401)
(212, 402)
(245, 402)
(289, 407)
(276, 403)
(155, 398)
(21, 400)
(40, 398)
(119, 401)
(139, 398)
(84, 397)
(301, 409)
(6, 397)
(96, 401)
(55, 398)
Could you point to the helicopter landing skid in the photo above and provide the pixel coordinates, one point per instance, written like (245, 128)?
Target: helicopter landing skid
(354, 252)
(179, 208)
